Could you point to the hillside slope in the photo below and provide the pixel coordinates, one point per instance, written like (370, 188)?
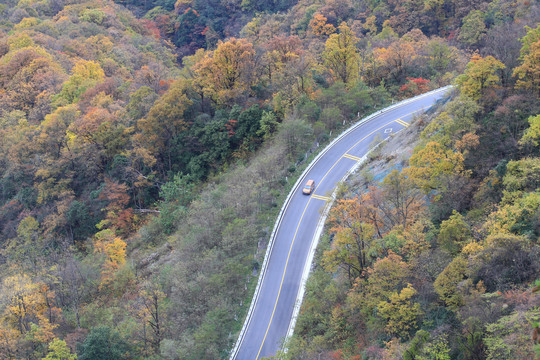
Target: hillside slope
(143, 160)
(433, 252)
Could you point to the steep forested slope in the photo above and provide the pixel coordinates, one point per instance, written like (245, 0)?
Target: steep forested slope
(143, 160)
(439, 258)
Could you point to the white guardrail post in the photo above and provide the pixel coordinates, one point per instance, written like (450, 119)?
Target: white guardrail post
(320, 225)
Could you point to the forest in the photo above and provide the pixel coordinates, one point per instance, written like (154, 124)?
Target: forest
(146, 147)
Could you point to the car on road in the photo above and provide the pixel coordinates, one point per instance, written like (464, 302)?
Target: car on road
(309, 187)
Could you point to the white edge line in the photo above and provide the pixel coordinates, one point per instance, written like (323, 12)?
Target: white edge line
(262, 275)
(315, 244)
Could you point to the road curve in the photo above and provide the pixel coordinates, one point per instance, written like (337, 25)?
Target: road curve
(290, 247)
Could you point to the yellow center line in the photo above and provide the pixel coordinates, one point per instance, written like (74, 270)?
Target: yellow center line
(298, 226)
(399, 121)
(325, 198)
(413, 112)
(282, 279)
(404, 123)
(352, 157)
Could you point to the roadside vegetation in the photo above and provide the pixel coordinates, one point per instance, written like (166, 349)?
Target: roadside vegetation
(437, 258)
(146, 147)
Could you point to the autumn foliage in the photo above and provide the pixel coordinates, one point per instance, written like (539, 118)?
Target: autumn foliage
(414, 87)
(145, 145)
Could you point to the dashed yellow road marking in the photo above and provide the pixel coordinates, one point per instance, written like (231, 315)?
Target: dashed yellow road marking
(299, 222)
(404, 123)
(325, 198)
(352, 157)
(282, 279)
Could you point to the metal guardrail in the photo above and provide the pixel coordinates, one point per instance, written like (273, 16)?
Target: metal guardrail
(314, 243)
(318, 233)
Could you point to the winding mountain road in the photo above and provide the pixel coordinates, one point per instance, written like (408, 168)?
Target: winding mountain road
(275, 305)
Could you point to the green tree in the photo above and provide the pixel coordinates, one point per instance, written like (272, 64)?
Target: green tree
(92, 15)
(440, 56)
(176, 194)
(473, 29)
(510, 336)
(58, 350)
(436, 349)
(179, 190)
(531, 136)
(103, 343)
(522, 175)
(415, 345)
(454, 233)
(446, 284)
(295, 134)
(269, 124)
(247, 125)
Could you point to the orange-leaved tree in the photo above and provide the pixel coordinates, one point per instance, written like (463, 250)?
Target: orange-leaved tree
(396, 59)
(320, 27)
(227, 72)
(118, 216)
(355, 225)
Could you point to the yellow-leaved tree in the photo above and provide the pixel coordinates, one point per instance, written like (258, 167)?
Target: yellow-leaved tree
(400, 312)
(341, 55)
(165, 120)
(431, 164)
(480, 75)
(528, 73)
(28, 312)
(58, 350)
(226, 73)
(85, 74)
(531, 136)
(447, 283)
(113, 249)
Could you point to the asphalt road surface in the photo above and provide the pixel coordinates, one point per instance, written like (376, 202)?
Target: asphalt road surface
(266, 326)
